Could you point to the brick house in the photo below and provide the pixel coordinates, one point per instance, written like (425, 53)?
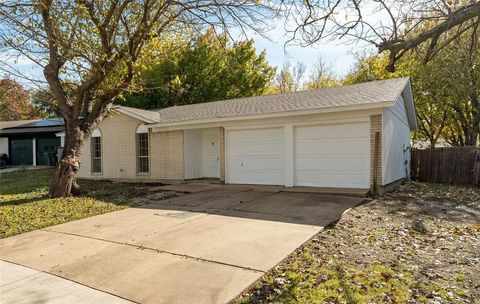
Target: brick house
(355, 136)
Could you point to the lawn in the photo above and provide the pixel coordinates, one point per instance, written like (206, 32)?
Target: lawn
(419, 244)
(25, 205)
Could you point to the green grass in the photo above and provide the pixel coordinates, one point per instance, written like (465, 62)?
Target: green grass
(309, 281)
(25, 205)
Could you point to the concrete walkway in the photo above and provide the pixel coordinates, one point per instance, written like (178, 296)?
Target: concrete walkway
(23, 285)
(203, 247)
(20, 168)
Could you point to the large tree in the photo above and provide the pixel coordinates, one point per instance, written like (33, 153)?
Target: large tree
(446, 91)
(392, 26)
(322, 76)
(210, 67)
(90, 51)
(289, 78)
(14, 101)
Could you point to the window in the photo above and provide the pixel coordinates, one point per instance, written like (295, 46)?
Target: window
(142, 153)
(96, 152)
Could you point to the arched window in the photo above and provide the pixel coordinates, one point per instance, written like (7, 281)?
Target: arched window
(142, 149)
(96, 151)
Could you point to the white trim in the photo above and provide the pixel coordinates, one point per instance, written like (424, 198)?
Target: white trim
(62, 138)
(34, 149)
(301, 123)
(289, 155)
(134, 115)
(409, 105)
(225, 156)
(96, 133)
(159, 127)
(142, 129)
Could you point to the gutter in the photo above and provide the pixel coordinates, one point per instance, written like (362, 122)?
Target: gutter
(158, 126)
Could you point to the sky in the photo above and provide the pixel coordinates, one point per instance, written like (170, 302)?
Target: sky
(339, 55)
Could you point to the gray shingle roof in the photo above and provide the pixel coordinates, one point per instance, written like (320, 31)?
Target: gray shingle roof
(357, 94)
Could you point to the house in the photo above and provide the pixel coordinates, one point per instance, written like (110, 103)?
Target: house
(355, 136)
(32, 142)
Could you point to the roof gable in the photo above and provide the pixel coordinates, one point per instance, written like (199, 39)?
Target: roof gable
(374, 94)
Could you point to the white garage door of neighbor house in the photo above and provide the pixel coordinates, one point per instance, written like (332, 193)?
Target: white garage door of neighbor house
(335, 155)
(255, 156)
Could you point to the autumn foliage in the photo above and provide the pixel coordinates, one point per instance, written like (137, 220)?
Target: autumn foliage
(14, 101)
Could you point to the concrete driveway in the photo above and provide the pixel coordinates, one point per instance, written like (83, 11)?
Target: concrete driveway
(202, 247)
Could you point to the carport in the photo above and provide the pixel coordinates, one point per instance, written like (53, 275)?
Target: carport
(32, 142)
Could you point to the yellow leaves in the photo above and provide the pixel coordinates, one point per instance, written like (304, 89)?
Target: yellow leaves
(471, 230)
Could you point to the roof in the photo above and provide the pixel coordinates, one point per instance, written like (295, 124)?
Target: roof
(15, 123)
(368, 94)
(148, 116)
(32, 126)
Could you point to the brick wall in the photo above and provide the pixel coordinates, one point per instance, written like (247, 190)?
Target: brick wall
(166, 159)
(376, 126)
(119, 152)
(118, 149)
(221, 139)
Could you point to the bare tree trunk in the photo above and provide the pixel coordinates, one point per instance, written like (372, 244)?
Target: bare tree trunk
(64, 182)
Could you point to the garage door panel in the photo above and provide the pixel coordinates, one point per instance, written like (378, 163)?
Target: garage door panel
(322, 147)
(322, 163)
(265, 148)
(334, 131)
(359, 165)
(256, 163)
(256, 135)
(332, 166)
(255, 156)
(333, 155)
(334, 180)
(333, 146)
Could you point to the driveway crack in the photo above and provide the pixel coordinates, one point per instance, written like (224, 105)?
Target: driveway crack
(141, 247)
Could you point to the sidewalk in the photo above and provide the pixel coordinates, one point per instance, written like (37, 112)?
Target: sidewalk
(22, 285)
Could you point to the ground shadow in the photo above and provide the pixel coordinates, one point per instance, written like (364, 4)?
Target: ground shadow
(290, 207)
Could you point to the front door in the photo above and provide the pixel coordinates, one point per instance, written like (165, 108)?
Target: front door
(22, 152)
(210, 153)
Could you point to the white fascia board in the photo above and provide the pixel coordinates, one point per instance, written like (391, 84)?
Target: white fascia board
(410, 106)
(211, 122)
(134, 115)
(407, 95)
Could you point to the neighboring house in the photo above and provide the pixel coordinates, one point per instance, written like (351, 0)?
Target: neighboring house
(31, 142)
(328, 137)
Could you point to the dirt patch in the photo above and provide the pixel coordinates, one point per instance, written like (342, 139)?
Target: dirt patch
(420, 243)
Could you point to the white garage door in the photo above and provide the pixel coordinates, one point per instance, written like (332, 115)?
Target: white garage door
(255, 156)
(333, 155)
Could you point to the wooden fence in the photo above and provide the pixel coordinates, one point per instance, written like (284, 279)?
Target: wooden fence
(452, 165)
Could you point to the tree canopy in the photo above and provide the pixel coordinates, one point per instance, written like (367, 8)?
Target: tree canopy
(207, 68)
(14, 101)
(90, 51)
(392, 26)
(446, 90)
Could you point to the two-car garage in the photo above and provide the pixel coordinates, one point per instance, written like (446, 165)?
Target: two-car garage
(316, 155)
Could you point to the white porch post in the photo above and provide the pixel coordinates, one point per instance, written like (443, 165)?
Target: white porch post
(34, 145)
(289, 156)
